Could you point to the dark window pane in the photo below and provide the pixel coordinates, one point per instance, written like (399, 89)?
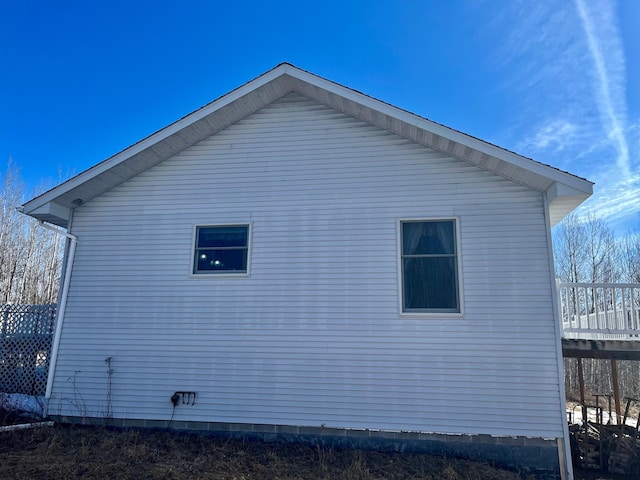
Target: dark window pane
(227, 236)
(428, 238)
(211, 260)
(221, 249)
(430, 283)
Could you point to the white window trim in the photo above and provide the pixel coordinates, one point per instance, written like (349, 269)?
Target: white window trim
(220, 274)
(401, 312)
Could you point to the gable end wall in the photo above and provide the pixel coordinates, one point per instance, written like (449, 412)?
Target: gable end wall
(313, 336)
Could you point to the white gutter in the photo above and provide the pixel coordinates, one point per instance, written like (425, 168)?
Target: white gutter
(62, 303)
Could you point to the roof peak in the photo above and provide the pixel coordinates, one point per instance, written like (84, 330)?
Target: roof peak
(57, 204)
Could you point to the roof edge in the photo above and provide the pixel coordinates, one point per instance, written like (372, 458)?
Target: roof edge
(155, 137)
(573, 182)
(417, 121)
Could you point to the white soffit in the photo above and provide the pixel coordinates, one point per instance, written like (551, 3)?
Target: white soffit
(268, 88)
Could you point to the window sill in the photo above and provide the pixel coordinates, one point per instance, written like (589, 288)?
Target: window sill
(431, 315)
(219, 275)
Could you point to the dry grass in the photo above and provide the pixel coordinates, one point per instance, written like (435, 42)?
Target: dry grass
(95, 453)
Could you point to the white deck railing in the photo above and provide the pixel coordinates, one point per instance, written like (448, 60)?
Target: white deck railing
(600, 311)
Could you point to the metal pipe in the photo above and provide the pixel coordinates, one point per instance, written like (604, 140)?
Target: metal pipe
(24, 426)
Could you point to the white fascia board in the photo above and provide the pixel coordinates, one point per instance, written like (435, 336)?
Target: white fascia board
(562, 200)
(561, 190)
(287, 69)
(51, 212)
(443, 131)
(153, 139)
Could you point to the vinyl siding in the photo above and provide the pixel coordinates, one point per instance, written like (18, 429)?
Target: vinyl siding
(313, 336)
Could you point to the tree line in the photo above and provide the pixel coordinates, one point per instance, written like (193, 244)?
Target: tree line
(587, 251)
(30, 255)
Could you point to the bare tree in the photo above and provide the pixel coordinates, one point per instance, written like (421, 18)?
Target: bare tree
(629, 257)
(30, 256)
(585, 250)
(569, 240)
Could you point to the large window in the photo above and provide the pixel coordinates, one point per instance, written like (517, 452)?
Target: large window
(429, 266)
(221, 249)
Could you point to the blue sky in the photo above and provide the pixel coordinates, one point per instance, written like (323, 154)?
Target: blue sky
(554, 80)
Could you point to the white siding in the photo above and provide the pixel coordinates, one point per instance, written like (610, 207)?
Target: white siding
(314, 335)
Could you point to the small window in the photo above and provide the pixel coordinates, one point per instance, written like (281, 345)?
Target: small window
(221, 249)
(429, 266)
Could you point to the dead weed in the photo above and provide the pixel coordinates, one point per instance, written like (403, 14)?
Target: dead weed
(97, 453)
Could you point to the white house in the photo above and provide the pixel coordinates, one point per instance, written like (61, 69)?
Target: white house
(298, 258)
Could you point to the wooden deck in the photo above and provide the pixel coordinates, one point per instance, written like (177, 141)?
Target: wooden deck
(604, 349)
(600, 321)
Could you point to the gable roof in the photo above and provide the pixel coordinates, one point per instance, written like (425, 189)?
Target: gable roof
(564, 191)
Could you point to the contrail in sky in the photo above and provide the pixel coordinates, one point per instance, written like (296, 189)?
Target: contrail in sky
(616, 127)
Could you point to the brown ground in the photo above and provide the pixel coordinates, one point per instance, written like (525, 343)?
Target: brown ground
(96, 453)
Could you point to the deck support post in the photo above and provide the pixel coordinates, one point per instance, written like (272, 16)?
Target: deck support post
(616, 389)
(581, 385)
